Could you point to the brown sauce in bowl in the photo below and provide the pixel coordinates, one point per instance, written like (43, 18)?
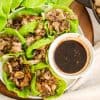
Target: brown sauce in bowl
(70, 56)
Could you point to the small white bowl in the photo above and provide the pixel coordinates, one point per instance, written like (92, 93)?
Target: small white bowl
(86, 44)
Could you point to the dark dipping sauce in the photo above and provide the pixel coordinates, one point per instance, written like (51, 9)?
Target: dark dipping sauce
(70, 56)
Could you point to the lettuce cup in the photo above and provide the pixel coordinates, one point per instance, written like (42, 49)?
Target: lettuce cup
(46, 82)
(38, 51)
(60, 20)
(29, 23)
(16, 74)
(10, 41)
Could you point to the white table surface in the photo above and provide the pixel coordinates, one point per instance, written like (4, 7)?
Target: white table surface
(91, 89)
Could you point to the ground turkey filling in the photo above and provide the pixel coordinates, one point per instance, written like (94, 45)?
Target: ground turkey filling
(46, 82)
(9, 44)
(21, 20)
(18, 72)
(58, 20)
(18, 22)
(40, 54)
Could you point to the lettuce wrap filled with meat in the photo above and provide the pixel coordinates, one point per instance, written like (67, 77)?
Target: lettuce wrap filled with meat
(11, 41)
(38, 49)
(46, 83)
(29, 24)
(16, 74)
(60, 20)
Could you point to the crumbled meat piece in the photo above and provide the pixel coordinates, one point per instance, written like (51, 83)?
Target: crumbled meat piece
(9, 44)
(56, 15)
(47, 87)
(53, 87)
(7, 68)
(16, 47)
(56, 26)
(15, 23)
(47, 75)
(65, 25)
(40, 31)
(19, 75)
(26, 19)
(25, 81)
(30, 40)
(46, 82)
(40, 54)
(2, 44)
(16, 81)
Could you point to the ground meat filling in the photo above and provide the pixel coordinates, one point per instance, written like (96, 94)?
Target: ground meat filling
(46, 82)
(40, 54)
(18, 72)
(9, 44)
(21, 20)
(58, 20)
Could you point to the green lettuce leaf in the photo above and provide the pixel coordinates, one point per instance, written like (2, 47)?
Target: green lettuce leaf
(38, 44)
(16, 33)
(60, 2)
(74, 26)
(29, 27)
(38, 67)
(61, 85)
(33, 86)
(41, 3)
(5, 57)
(5, 6)
(15, 4)
(3, 22)
(33, 3)
(11, 87)
(25, 11)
